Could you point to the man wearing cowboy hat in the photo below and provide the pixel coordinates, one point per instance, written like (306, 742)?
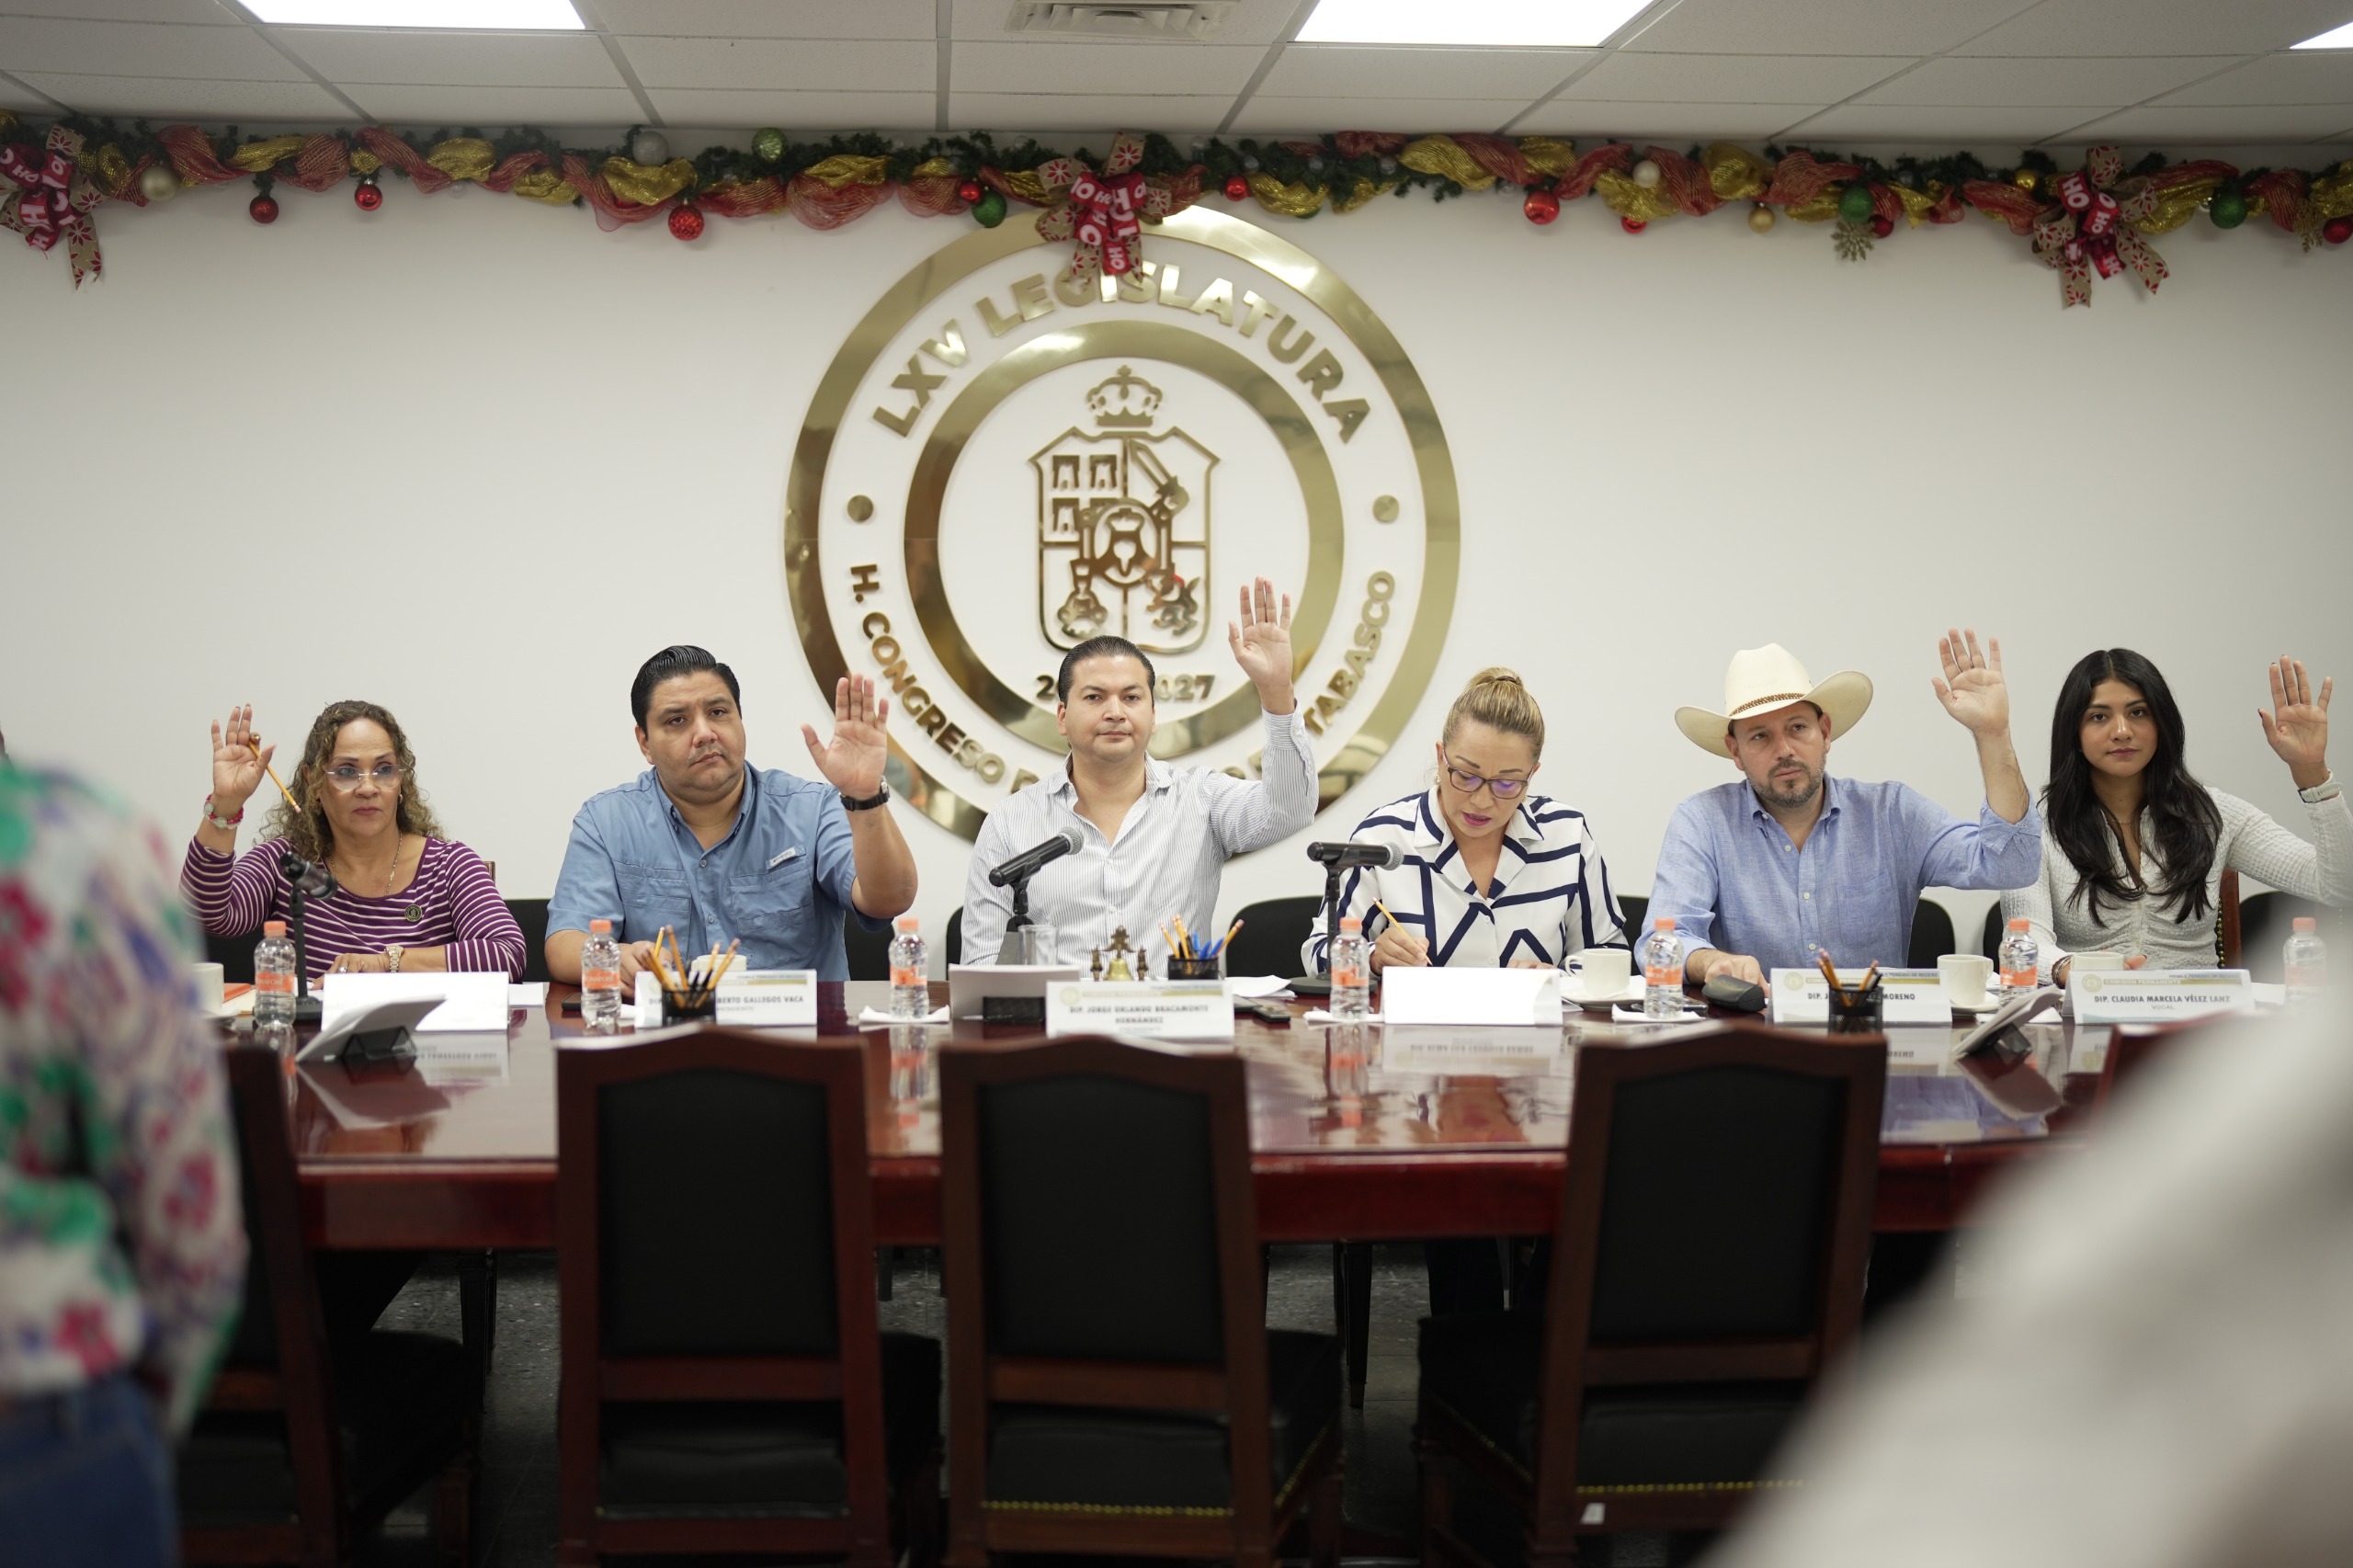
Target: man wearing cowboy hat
(1789, 863)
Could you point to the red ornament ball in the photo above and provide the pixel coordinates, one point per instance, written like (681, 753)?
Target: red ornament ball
(2336, 230)
(264, 210)
(1632, 225)
(1237, 188)
(685, 220)
(1542, 206)
(1882, 226)
(969, 192)
(368, 195)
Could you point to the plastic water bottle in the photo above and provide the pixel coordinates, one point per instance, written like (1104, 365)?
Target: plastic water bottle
(2021, 959)
(274, 976)
(2306, 960)
(600, 980)
(1351, 972)
(1661, 970)
(910, 971)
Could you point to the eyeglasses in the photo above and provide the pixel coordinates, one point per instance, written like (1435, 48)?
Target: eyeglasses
(1503, 788)
(347, 778)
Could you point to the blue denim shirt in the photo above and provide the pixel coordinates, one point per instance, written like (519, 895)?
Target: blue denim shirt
(1733, 881)
(779, 882)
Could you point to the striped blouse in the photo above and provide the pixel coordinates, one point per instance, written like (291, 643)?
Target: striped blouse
(451, 902)
(1550, 896)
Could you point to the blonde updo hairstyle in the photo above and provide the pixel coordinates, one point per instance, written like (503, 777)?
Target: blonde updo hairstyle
(1497, 698)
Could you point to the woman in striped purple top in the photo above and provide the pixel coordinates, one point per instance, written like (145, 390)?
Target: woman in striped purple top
(405, 899)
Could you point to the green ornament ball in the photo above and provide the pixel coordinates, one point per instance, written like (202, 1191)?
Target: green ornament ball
(989, 210)
(768, 145)
(2227, 209)
(1854, 205)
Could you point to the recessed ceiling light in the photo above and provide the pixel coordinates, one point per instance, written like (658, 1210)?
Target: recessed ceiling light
(503, 15)
(1524, 24)
(2337, 38)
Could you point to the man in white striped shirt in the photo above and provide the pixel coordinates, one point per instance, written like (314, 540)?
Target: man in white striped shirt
(1154, 838)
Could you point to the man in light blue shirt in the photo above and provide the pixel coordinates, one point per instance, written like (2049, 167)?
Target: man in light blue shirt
(719, 851)
(1789, 863)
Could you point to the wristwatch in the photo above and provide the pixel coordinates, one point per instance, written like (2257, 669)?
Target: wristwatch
(393, 956)
(2326, 789)
(882, 796)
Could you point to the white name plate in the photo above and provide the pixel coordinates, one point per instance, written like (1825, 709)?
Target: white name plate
(2153, 995)
(1155, 1009)
(1470, 997)
(1906, 995)
(776, 998)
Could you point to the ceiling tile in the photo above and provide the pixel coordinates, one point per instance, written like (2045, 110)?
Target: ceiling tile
(724, 108)
(160, 98)
(1257, 22)
(1029, 67)
(2219, 126)
(522, 60)
(2323, 76)
(1985, 82)
(1265, 115)
(1011, 113)
(1977, 129)
(132, 49)
(496, 106)
(1734, 78)
(2158, 26)
(1822, 27)
(769, 18)
(201, 13)
(1335, 71)
(772, 64)
(23, 99)
(1586, 118)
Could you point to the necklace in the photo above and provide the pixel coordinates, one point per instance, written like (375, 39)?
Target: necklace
(389, 872)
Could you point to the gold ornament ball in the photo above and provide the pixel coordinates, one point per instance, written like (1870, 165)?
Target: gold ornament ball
(158, 183)
(1761, 218)
(2024, 179)
(1648, 173)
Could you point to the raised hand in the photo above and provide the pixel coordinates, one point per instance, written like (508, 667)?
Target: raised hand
(237, 769)
(2297, 723)
(1972, 687)
(1261, 644)
(852, 761)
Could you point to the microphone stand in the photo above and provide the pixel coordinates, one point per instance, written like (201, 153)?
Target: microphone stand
(308, 1009)
(1009, 951)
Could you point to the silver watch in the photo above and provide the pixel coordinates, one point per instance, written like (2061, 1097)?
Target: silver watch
(2326, 789)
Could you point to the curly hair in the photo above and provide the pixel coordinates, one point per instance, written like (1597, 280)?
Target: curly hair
(307, 832)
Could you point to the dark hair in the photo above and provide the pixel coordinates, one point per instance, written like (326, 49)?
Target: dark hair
(1101, 647)
(304, 825)
(2188, 825)
(677, 659)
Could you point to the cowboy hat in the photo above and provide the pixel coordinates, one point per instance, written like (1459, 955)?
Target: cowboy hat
(1760, 679)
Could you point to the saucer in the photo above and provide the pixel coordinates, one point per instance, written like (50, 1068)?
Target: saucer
(1574, 993)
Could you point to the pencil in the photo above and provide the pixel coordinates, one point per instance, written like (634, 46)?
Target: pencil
(1385, 915)
(1829, 971)
(727, 959)
(1870, 977)
(1164, 932)
(1220, 945)
(274, 779)
(1179, 921)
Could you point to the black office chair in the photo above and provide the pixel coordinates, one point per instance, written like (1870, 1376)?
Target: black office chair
(956, 937)
(1273, 932)
(1634, 907)
(2265, 920)
(531, 915)
(1932, 934)
(1989, 940)
(234, 955)
(870, 951)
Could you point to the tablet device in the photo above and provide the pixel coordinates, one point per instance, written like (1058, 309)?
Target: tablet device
(2002, 1029)
(370, 1034)
(1005, 993)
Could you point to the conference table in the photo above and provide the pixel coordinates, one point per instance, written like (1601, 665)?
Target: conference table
(1358, 1133)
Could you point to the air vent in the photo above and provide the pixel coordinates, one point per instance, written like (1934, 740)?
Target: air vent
(1197, 20)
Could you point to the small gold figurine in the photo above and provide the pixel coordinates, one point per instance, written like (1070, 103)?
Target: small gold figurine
(1118, 969)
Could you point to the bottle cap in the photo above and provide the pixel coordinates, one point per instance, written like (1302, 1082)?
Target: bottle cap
(1351, 923)
(1664, 923)
(2021, 923)
(2307, 923)
(908, 922)
(601, 927)
(273, 927)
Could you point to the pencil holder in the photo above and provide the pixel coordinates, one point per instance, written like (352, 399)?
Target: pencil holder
(689, 1006)
(1856, 1012)
(1210, 968)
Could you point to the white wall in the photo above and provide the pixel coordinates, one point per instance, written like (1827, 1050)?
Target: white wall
(475, 460)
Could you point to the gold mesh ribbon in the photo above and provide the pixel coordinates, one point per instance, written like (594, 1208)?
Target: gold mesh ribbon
(1361, 191)
(845, 168)
(931, 168)
(643, 185)
(2331, 195)
(1293, 200)
(1546, 155)
(1917, 205)
(540, 185)
(1821, 209)
(363, 162)
(1735, 174)
(463, 157)
(1444, 156)
(255, 156)
(1644, 202)
(2176, 205)
(1024, 185)
(111, 172)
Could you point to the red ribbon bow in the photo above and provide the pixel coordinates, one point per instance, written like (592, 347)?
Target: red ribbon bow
(1105, 211)
(55, 201)
(2090, 229)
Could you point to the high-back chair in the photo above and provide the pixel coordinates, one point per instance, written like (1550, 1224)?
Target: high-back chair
(296, 1452)
(1114, 1386)
(725, 1385)
(1708, 1265)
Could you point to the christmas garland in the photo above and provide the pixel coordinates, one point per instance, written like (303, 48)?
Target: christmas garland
(2085, 223)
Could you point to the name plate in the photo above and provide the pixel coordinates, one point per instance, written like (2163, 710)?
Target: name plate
(2153, 995)
(777, 998)
(1906, 995)
(1155, 1009)
(1512, 997)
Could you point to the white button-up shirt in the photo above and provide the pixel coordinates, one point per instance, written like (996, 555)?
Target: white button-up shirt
(1167, 861)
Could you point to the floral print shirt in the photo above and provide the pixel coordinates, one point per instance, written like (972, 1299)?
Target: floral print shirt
(122, 1245)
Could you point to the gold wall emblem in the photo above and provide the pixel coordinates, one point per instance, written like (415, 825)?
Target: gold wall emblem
(992, 435)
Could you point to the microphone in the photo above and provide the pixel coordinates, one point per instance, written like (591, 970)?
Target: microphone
(311, 878)
(1025, 865)
(1387, 857)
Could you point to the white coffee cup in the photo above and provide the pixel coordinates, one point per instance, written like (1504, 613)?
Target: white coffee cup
(209, 984)
(2100, 960)
(1602, 971)
(1965, 977)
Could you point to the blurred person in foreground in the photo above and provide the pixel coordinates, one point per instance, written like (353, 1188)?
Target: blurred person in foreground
(2161, 1373)
(121, 1249)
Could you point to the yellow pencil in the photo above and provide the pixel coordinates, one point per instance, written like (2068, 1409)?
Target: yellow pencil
(274, 779)
(725, 959)
(1221, 941)
(1384, 910)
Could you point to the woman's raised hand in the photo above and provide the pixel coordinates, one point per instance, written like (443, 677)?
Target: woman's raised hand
(237, 771)
(2297, 721)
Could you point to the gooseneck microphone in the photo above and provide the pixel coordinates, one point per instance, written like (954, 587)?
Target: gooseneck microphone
(1349, 856)
(1024, 866)
(311, 878)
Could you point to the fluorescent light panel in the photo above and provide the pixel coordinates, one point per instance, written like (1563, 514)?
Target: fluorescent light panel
(2338, 37)
(1520, 24)
(442, 15)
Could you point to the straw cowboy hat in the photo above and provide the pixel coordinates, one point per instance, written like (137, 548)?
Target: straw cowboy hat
(1760, 679)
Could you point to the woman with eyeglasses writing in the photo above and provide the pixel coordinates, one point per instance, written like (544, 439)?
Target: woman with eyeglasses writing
(406, 899)
(1493, 874)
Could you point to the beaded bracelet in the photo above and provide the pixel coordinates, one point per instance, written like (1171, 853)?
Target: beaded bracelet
(224, 825)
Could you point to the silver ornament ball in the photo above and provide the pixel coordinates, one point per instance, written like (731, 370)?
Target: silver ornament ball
(158, 183)
(1647, 174)
(649, 147)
